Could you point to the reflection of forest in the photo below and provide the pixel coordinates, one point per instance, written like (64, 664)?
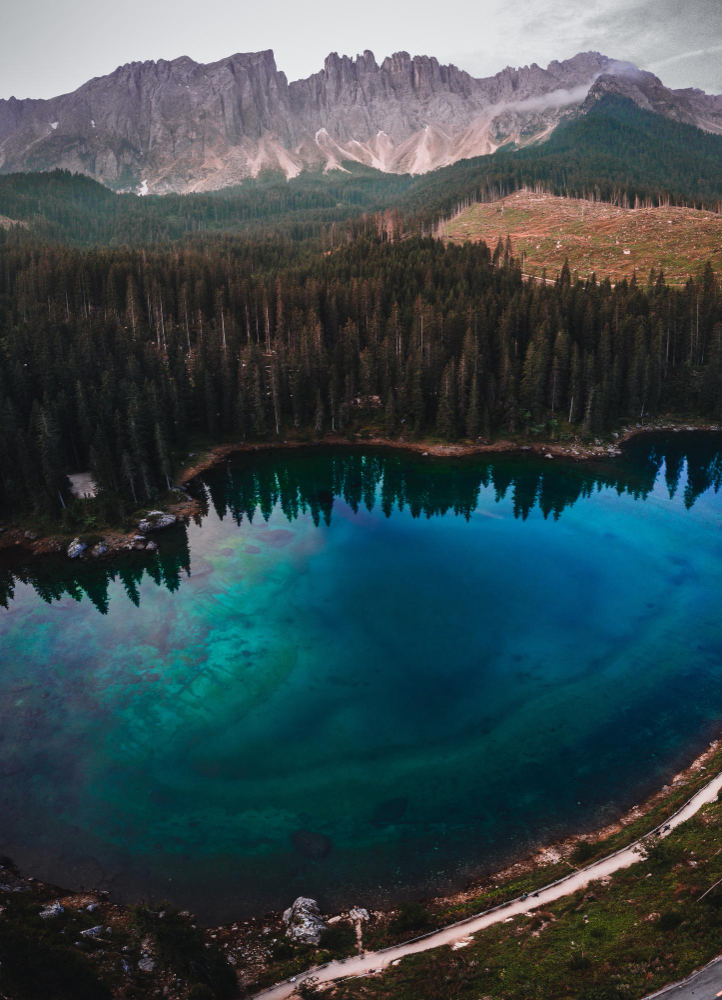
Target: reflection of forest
(310, 482)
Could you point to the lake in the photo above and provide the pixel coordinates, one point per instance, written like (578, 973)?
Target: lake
(362, 675)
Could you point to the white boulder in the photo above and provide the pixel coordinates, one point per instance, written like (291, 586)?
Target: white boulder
(303, 921)
(156, 520)
(92, 932)
(76, 548)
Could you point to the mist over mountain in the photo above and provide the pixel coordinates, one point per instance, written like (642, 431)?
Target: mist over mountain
(181, 126)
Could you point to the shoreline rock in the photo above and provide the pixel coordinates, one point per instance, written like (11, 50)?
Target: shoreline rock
(156, 521)
(76, 549)
(303, 921)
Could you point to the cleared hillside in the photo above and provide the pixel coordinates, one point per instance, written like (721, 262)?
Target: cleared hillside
(595, 236)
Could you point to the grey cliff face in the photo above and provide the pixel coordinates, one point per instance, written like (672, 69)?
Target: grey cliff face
(184, 126)
(646, 90)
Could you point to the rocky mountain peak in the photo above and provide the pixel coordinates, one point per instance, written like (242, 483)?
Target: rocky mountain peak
(179, 125)
(645, 89)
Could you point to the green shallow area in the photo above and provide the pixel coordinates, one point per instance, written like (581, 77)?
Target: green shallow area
(364, 675)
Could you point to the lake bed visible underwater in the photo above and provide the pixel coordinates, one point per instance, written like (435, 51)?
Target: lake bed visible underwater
(364, 676)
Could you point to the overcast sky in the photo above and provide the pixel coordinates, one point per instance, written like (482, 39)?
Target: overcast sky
(49, 48)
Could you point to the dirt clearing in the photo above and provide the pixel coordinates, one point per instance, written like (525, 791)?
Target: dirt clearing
(594, 236)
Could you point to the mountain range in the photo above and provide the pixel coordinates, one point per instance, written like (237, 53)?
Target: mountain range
(182, 126)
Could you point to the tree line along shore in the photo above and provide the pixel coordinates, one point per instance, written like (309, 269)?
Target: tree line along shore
(112, 359)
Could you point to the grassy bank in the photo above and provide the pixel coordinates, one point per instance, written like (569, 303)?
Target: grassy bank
(623, 937)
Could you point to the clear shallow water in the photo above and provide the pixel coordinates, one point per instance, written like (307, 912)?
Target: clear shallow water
(364, 675)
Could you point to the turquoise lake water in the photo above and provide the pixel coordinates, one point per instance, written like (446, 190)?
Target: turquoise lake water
(364, 675)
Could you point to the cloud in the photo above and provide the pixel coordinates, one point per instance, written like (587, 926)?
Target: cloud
(648, 33)
(554, 99)
(695, 54)
(74, 41)
(562, 97)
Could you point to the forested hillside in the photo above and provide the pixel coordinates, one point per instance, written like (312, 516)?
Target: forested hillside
(315, 306)
(71, 208)
(616, 153)
(110, 359)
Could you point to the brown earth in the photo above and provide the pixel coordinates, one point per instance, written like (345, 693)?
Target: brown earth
(6, 223)
(594, 237)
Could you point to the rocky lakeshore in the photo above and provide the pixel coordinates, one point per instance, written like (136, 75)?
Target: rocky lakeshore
(106, 949)
(181, 506)
(109, 542)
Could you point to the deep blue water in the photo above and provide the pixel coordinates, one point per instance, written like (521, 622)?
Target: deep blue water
(364, 676)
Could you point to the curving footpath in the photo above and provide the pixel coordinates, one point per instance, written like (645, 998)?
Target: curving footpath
(459, 933)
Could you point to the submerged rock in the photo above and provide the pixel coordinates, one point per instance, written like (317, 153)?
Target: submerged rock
(76, 548)
(303, 921)
(156, 520)
(311, 845)
(99, 549)
(391, 810)
(146, 964)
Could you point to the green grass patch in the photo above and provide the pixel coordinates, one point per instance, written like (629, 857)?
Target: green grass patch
(648, 927)
(39, 959)
(182, 948)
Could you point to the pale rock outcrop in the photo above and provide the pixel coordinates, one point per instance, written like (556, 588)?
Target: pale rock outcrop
(92, 932)
(156, 520)
(183, 126)
(76, 548)
(303, 921)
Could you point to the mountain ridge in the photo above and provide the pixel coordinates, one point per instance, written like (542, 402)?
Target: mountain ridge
(182, 126)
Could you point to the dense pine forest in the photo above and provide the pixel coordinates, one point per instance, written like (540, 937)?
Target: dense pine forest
(74, 209)
(131, 326)
(112, 359)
